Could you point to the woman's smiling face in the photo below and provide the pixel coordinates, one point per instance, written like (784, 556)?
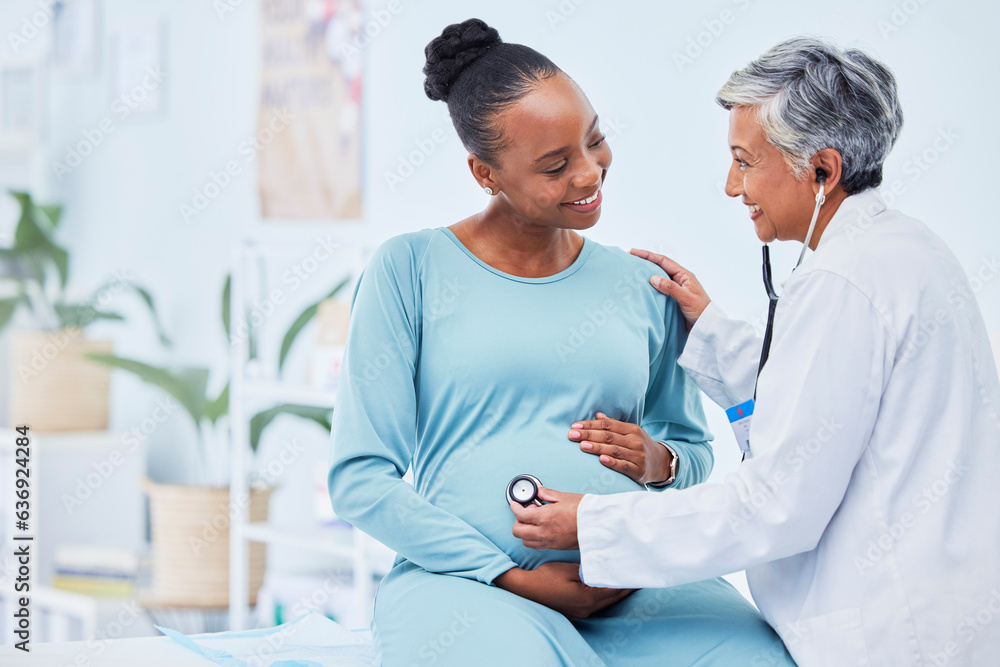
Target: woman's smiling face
(553, 166)
(780, 204)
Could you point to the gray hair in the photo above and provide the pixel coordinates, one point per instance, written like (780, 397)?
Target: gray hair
(810, 95)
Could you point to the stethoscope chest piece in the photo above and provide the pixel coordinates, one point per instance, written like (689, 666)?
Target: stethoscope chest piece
(523, 489)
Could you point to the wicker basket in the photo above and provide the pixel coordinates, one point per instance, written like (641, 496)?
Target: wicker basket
(52, 386)
(190, 526)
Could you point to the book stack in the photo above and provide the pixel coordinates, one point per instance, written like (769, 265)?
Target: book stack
(99, 571)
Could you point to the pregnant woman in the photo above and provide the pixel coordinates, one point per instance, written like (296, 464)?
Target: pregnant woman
(473, 350)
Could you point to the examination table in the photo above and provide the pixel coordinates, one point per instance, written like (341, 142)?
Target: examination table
(309, 641)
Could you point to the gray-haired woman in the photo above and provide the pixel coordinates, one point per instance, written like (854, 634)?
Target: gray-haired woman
(864, 510)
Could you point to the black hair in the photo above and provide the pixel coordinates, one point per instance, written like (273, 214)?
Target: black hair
(479, 75)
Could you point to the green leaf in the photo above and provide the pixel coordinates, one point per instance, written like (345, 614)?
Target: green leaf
(82, 315)
(226, 291)
(148, 299)
(7, 308)
(33, 235)
(187, 385)
(219, 407)
(301, 321)
(251, 339)
(28, 236)
(261, 420)
(60, 258)
(52, 212)
(32, 268)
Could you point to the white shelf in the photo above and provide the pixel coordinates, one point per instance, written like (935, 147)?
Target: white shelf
(337, 541)
(332, 541)
(73, 441)
(251, 387)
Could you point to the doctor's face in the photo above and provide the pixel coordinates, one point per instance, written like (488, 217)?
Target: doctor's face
(780, 204)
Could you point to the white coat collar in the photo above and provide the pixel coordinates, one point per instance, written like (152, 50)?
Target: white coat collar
(857, 212)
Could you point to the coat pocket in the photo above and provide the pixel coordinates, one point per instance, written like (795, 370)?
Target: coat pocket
(834, 639)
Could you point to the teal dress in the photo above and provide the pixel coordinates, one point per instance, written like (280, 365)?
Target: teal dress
(471, 376)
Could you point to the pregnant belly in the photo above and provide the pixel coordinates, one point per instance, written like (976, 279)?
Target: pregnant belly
(472, 485)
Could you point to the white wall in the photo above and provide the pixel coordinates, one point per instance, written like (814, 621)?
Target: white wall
(664, 190)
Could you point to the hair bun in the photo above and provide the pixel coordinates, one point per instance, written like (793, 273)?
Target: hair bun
(448, 55)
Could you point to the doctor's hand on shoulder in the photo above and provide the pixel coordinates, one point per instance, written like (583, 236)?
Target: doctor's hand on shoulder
(683, 286)
(623, 447)
(557, 585)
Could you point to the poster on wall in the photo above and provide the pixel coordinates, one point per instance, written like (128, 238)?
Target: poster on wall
(309, 121)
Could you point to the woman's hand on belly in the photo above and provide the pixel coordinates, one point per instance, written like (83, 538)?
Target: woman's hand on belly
(623, 447)
(557, 586)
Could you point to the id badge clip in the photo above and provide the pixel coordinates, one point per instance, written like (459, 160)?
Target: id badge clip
(740, 417)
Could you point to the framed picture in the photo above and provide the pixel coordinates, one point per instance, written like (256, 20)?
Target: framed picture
(308, 147)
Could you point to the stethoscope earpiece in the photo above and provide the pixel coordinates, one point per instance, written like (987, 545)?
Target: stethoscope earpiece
(523, 489)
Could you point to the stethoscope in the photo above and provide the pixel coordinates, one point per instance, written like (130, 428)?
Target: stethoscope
(523, 489)
(772, 296)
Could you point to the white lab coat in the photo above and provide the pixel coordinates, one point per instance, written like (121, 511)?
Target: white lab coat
(866, 518)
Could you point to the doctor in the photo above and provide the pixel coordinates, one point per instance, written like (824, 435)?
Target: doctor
(865, 512)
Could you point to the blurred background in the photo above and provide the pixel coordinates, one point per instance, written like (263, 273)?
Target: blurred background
(190, 190)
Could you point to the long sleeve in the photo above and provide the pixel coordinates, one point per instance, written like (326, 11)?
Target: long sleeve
(721, 356)
(818, 399)
(674, 413)
(374, 429)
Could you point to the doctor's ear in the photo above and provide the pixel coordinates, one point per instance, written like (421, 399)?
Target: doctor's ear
(484, 174)
(826, 167)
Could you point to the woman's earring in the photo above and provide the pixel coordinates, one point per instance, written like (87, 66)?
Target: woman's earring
(488, 191)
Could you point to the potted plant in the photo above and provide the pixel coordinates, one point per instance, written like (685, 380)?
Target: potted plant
(190, 522)
(52, 386)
